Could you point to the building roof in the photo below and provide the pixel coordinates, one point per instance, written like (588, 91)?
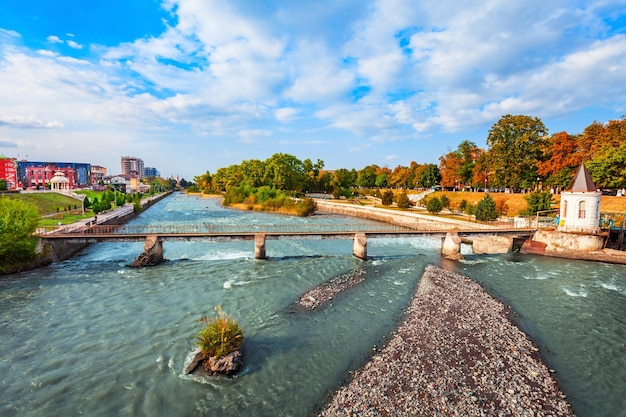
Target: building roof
(59, 177)
(582, 182)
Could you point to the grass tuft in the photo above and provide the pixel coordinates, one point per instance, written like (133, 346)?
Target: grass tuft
(220, 336)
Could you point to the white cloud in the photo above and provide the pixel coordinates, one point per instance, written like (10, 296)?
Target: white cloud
(286, 114)
(54, 39)
(368, 72)
(75, 45)
(28, 122)
(252, 135)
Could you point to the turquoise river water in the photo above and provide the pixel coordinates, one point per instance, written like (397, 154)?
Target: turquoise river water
(91, 336)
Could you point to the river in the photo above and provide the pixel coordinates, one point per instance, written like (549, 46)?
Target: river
(91, 336)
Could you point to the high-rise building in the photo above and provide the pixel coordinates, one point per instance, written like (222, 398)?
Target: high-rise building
(151, 172)
(132, 165)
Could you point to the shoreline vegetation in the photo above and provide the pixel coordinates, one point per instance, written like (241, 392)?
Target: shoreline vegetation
(456, 353)
(270, 200)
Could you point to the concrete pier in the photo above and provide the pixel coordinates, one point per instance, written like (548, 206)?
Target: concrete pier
(259, 246)
(359, 248)
(152, 252)
(451, 246)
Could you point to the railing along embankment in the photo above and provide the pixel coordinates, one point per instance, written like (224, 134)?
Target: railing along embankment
(410, 220)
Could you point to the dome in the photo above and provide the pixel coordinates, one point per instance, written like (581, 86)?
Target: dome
(59, 178)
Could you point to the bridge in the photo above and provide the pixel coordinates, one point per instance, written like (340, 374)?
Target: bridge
(153, 236)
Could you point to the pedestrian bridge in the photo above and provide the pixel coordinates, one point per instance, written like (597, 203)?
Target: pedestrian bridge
(153, 236)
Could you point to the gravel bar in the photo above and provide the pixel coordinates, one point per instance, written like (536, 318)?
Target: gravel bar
(323, 294)
(456, 354)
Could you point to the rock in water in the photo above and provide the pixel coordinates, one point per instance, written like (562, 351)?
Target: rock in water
(225, 365)
(199, 357)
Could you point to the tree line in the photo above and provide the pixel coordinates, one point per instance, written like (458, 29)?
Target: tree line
(286, 172)
(520, 155)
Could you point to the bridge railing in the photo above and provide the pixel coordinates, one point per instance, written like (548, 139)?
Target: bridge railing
(237, 229)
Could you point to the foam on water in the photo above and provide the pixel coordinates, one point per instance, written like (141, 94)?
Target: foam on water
(611, 286)
(472, 261)
(227, 256)
(234, 283)
(572, 292)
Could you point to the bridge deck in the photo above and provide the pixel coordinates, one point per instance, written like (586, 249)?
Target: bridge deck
(210, 232)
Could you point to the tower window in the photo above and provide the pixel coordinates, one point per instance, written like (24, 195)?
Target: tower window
(582, 210)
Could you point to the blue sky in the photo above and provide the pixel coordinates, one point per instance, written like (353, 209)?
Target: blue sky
(195, 85)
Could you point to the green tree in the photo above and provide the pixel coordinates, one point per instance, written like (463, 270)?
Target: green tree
(18, 221)
(608, 168)
(434, 205)
(381, 180)
(366, 177)
(284, 172)
(486, 209)
(516, 145)
(538, 201)
(3, 185)
(430, 176)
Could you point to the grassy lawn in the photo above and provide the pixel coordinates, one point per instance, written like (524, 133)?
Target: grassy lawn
(517, 202)
(47, 203)
(64, 218)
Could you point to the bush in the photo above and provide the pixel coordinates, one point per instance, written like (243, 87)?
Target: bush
(220, 336)
(403, 201)
(434, 205)
(462, 205)
(502, 207)
(445, 201)
(306, 207)
(486, 209)
(18, 221)
(387, 198)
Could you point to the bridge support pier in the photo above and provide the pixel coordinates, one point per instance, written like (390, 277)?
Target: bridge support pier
(259, 246)
(152, 252)
(451, 246)
(359, 248)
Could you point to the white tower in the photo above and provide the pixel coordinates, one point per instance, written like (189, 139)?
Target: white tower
(580, 205)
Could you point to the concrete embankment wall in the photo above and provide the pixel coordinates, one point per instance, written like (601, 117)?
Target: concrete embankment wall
(564, 242)
(400, 218)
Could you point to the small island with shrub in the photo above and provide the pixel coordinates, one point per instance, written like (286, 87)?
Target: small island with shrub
(219, 346)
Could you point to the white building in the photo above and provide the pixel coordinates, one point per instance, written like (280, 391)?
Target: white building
(580, 205)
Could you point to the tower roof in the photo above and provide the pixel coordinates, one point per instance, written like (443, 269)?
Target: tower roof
(582, 182)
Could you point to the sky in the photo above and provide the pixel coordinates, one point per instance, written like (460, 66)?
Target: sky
(195, 85)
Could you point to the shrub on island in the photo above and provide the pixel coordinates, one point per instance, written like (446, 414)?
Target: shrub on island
(219, 344)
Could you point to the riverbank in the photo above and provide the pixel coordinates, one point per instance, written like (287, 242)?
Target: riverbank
(412, 219)
(456, 353)
(47, 254)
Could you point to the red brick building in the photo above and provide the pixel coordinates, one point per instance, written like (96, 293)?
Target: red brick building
(8, 172)
(40, 176)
